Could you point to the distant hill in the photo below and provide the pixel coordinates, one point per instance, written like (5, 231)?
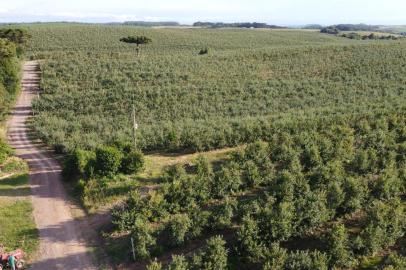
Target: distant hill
(236, 25)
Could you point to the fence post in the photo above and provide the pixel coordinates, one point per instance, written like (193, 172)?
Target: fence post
(132, 247)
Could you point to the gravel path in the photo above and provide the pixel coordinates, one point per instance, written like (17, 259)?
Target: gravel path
(61, 244)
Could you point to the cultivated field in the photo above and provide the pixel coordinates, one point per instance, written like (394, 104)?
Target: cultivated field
(186, 101)
(316, 177)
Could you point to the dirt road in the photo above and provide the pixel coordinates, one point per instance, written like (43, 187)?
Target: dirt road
(61, 243)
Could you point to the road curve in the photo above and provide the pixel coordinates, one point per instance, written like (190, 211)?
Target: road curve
(61, 243)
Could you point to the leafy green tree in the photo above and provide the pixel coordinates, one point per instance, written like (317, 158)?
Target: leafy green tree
(9, 73)
(16, 35)
(339, 248)
(214, 256)
(388, 185)
(154, 265)
(356, 191)
(276, 258)
(7, 49)
(394, 262)
(199, 220)
(108, 161)
(177, 228)
(284, 186)
(138, 40)
(179, 262)
(174, 172)
(250, 239)
(311, 156)
(227, 181)
(204, 178)
(143, 239)
(257, 152)
(277, 220)
(79, 164)
(311, 210)
(252, 176)
(132, 162)
(299, 260)
(320, 260)
(304, 260)
(185, 192)
(335, 196)
(203, 167)
(385, 225)
(223, 213)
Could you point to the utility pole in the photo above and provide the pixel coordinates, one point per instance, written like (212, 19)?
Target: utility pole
(135, 127)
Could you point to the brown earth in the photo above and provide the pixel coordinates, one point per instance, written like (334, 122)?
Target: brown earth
(62, 242)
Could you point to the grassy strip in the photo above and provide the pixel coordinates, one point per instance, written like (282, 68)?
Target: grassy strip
(17, 226)
(100, 194)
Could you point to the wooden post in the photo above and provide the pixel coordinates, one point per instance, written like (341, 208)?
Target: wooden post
(135, 127)
(132, 247)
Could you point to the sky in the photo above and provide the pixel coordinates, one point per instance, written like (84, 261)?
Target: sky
(282, 12)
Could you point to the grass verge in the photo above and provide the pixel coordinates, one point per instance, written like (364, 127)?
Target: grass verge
(17, 226)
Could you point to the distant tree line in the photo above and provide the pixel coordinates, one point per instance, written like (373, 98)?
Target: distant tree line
(356, 27)
(236, 25)
(336, 30)
(313, 26)
(11, 47)
(371, 36)
(150, 24)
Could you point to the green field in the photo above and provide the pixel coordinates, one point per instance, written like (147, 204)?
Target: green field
(186, 101)
(317, 178)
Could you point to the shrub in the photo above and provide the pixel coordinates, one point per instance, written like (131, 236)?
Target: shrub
(199, 218)
(94, 192)
(223, 213)
(174, 172)
(304, 260)
(276, 258)
(142, 238)
(204, 51)
(108, 161)
(177, 229)
(227, 181)
(385, 225)
(79, 164)
(154, 265)
(132, 162)
(179, 262)
(339, 246)
(252, 176)
(395, 261)
(213, 256)
(5, 151)
(249, 240)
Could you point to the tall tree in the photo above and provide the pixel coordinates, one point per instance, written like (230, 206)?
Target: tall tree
(138, 40)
